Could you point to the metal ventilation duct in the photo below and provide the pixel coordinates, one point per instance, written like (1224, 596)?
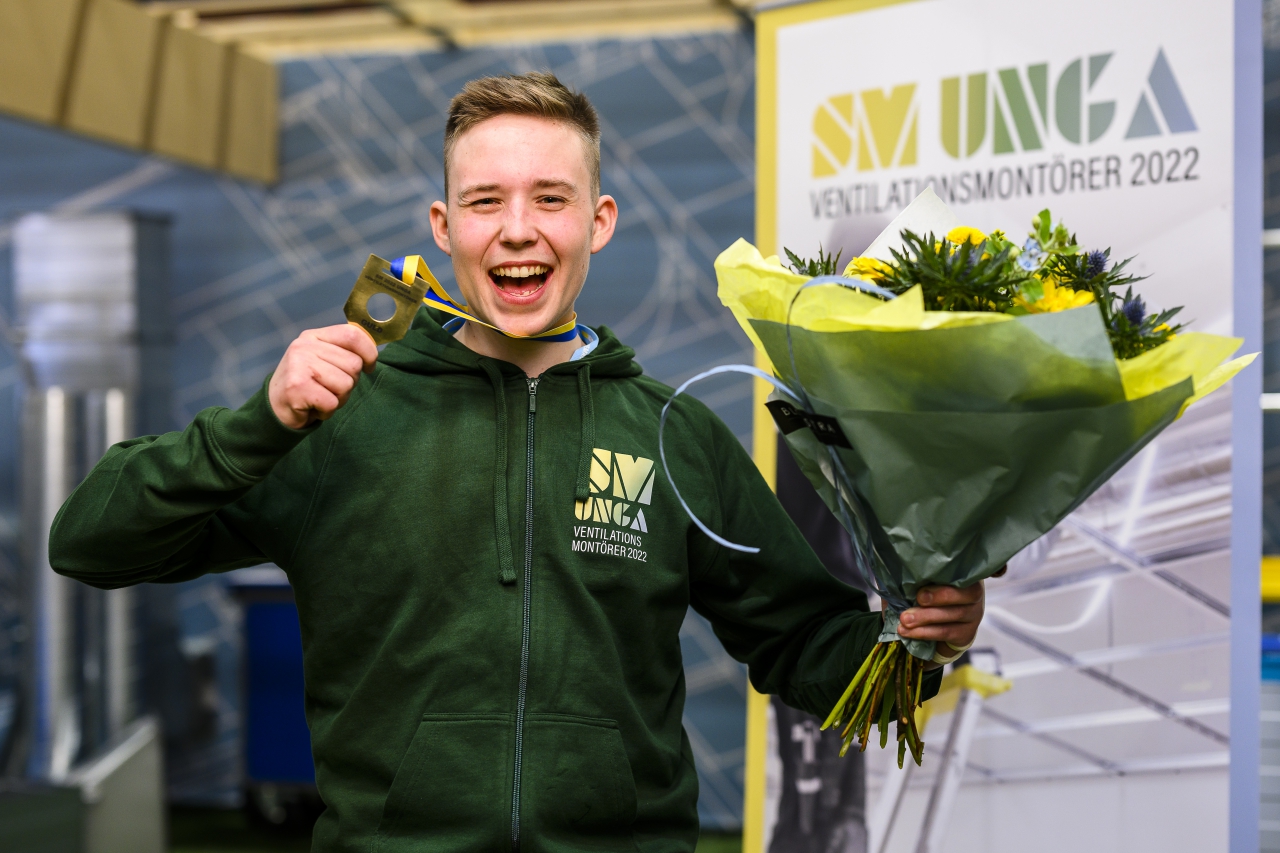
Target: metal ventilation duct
(91, 294)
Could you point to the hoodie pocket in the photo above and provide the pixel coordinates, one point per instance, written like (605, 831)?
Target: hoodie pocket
(577, 787)
(453, 788)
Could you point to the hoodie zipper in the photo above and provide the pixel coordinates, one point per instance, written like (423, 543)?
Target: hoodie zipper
(524, 638)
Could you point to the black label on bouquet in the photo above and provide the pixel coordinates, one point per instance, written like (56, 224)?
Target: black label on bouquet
(789, 419)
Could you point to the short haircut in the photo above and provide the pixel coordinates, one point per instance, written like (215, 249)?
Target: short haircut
(537, 94)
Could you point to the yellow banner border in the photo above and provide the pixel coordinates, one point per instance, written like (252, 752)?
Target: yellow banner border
(764, 442)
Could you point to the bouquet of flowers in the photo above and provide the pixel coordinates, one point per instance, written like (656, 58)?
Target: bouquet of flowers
(953, 396)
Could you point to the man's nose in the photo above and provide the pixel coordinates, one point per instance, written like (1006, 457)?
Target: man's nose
(517, 226)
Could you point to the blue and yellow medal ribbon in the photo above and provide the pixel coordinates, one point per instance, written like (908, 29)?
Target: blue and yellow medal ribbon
(409, 267)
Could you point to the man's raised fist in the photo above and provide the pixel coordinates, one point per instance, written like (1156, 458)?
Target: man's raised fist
(318, 372)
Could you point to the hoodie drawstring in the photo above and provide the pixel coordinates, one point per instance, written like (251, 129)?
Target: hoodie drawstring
(502, 527)
(582, 489)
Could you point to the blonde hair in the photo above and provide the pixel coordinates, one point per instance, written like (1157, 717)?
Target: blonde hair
(537, 94)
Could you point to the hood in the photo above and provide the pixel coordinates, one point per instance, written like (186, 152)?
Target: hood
(429, 349)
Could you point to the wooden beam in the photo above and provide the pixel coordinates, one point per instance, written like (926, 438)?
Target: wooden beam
(250, 147)
(532, 33)
(284, 28)
(193, 79)
(354, 23)
(454, 13)
(435, 24)
(404, 40)
(190, 98)
(37, 43)
(110, 91)
(246, 7)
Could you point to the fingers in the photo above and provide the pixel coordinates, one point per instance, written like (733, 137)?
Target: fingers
(298, 402)
(338, 357)
(338, 382)
(351, 338)
(306, 388)
(318, 372)
(945, 595)
(916, 617)
(944, 614)
(958, 634)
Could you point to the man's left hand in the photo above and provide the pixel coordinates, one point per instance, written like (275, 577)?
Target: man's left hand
(945, 614)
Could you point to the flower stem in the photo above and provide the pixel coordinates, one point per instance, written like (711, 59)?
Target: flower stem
(866, 664)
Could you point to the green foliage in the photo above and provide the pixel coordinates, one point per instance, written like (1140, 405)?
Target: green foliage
(998, 242)
(1054, 241)
(999, 275)
(1130, 338)
(1132, 330)
(954, 277)
(824, 265)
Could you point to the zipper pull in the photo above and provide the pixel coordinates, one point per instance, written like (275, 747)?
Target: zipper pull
(533, 395)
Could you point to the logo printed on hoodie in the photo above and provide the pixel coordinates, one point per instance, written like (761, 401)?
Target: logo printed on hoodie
(621, 487)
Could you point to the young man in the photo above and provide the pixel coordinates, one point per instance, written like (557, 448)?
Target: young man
(489, 571)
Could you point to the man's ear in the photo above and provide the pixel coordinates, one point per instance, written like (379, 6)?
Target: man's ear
(605, 221)
(440, 226)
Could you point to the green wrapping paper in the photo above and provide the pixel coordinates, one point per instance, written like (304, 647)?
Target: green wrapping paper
(961, 438)
(958, 481)
(945, 442)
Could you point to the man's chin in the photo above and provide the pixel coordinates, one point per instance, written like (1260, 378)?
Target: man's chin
(522, 325)
(528, 330)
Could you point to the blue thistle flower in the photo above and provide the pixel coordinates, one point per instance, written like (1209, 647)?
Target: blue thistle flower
(1096, 265)
(1135, 311)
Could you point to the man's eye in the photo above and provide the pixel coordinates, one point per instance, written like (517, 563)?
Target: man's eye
(552, 199)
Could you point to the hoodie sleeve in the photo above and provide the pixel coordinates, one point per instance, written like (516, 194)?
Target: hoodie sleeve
(156, 508)
(802, 633)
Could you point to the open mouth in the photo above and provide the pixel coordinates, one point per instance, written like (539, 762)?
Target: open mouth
(520, 282)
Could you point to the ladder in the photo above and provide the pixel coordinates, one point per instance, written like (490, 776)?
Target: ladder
(966, 688)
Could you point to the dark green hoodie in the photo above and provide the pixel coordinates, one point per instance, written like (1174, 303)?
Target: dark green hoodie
(491, 574)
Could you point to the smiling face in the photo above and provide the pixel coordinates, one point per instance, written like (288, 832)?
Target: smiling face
(522, 221)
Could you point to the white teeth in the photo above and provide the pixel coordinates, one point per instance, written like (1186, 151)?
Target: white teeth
(522, 272)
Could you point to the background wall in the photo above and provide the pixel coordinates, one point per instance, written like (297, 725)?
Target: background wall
(1028, 816)
(361, 166)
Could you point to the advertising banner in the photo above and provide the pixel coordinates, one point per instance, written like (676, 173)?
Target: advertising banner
(1125, 121)
(1124, 131)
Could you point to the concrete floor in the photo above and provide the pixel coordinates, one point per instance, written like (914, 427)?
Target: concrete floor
(226, 831)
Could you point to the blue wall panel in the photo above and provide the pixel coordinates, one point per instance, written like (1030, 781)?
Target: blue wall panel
(360, 157)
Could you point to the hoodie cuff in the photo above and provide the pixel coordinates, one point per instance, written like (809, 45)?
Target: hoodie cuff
(252, 438)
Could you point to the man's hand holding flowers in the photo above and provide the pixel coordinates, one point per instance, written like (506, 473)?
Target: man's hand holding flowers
(947, 615)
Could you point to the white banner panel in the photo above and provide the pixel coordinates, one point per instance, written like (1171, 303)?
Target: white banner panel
(1124, 119)
(1123, 130)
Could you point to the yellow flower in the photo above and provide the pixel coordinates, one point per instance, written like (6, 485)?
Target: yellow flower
(963, 234)
(867, 268)
(1056, 299)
